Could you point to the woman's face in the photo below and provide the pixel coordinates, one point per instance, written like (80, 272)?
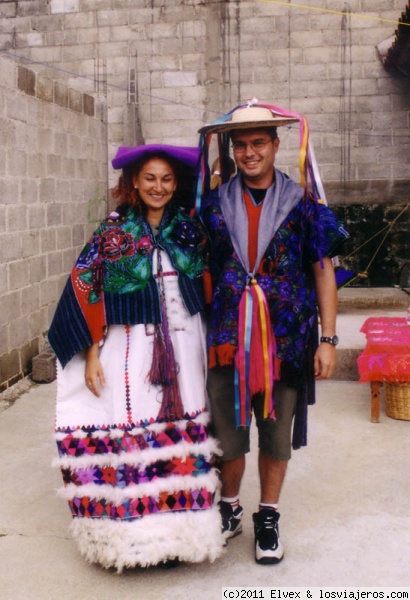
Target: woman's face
(156, 185)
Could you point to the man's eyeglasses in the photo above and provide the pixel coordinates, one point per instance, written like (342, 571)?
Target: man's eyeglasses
(257, 146)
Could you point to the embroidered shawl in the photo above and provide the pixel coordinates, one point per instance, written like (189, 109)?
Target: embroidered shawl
(112, 282)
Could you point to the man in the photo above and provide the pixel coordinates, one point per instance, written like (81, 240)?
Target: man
(270, 261)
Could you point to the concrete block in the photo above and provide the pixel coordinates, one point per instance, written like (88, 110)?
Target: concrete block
(31, 243)
(8, 72)
(44, 368)
(32, 7)
(37, 268)
(54, 263)
(64, 6)
(18, 274)
(9, 365)
(26, 80)
(75, 100)
(60, 94)
(27, 353)
(16, 162)
(180, 79)
(159, 31)
(45, 88)
(8, 10)
(3, 279)
(46, 54)
(53, 165)
(8, 133)
(80, 20)
(16, 218)
(4, 338)
(31, 40)
(89, 105)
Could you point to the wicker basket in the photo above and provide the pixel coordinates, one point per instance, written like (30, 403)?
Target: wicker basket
(397, 398)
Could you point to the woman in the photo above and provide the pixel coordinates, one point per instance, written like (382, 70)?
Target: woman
(131, 423)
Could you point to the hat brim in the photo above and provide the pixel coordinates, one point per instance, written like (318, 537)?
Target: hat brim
(188, 156)
(227, 126)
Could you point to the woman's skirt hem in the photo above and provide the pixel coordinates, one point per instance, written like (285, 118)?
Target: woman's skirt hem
(191, 536)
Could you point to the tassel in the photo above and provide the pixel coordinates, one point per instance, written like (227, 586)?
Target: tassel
(256, 363)
(164, 369)
(171, 405)
(242, 360)
(160, 372)
(207, 281)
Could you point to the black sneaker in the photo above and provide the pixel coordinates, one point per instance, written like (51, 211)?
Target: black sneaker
(268, 547)
(231, 520)
(170, 563)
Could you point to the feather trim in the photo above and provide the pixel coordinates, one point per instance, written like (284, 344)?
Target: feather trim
(193, 536)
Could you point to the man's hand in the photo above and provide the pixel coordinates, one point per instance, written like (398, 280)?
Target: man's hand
(325, 361)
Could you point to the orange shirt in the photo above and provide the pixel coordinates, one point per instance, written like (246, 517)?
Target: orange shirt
(254, 213)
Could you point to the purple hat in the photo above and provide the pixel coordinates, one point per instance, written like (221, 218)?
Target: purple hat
(189, 156)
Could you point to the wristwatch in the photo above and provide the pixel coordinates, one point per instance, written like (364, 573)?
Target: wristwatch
(330, 340)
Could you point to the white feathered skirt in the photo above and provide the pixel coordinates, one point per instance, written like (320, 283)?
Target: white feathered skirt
(140, 491)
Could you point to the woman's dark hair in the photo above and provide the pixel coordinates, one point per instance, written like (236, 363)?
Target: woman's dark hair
(125, 193)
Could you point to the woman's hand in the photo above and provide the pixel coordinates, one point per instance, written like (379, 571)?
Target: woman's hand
(94, 373)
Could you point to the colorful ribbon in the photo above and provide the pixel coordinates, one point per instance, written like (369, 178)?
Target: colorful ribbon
(256, 364)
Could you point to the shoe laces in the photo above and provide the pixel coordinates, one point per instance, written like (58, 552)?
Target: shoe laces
(268, 520)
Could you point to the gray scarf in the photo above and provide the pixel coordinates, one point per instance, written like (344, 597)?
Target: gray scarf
(280, 199)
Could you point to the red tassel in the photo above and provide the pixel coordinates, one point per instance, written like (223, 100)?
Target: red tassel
(171, 406)
(256, 371)
(164, 372)
(159, 373)
(164, 369)
(207, 281)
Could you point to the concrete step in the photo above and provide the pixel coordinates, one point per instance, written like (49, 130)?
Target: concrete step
(355, 306)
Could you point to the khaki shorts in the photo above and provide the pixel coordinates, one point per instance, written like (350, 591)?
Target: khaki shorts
(274, 436)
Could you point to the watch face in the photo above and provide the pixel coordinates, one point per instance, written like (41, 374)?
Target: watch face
(335, 340)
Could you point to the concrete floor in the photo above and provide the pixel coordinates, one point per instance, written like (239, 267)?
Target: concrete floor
(345, 511)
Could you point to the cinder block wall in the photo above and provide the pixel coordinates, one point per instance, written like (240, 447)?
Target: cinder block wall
(163, 68)
(53, 185)
(168, 66)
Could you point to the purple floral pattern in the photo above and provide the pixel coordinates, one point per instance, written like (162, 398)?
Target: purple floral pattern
(309, 232)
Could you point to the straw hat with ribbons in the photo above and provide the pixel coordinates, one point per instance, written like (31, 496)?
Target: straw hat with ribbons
(255, 115)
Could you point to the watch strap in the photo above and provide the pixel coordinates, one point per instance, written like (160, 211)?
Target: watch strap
(330, 340)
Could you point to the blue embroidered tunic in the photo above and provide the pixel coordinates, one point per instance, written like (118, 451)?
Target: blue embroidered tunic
(308, 232)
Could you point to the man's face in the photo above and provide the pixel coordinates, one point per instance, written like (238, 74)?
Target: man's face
(254, 153)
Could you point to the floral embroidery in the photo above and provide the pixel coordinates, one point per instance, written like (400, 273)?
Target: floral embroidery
(144, 245)
(284, 274)
(183, 240)
(90, 253)
(116, 243)
(118, 257)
